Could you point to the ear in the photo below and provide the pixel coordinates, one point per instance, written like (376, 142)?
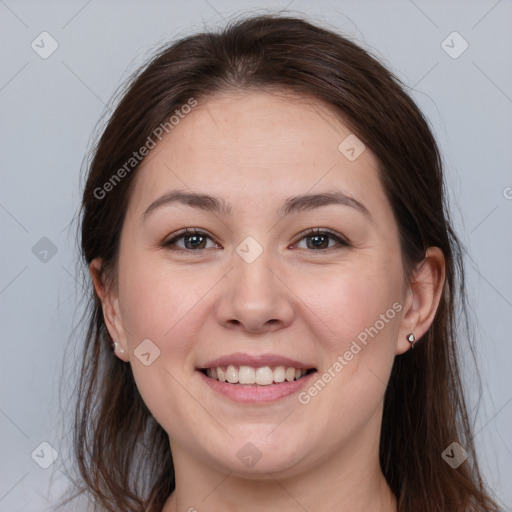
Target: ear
(422, 300)
(111, 310)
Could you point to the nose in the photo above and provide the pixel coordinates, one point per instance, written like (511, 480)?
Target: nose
(255, 298)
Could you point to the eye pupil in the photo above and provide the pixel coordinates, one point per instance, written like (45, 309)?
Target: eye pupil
(319, 241)
(196, 241)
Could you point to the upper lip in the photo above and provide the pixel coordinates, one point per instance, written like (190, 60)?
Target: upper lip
(272, 360)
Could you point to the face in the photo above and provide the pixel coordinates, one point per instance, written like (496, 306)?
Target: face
(288, 278)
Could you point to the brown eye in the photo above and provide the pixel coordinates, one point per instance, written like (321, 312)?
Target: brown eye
(318, 240)
(189, 241)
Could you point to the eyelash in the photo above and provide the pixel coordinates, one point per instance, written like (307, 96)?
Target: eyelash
(341, 241)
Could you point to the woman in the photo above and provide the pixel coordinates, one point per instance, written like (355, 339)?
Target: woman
(275, 285)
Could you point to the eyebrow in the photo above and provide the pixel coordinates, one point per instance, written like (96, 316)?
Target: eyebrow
(291, 205)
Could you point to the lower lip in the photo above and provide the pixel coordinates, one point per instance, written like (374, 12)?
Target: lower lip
(251, 394)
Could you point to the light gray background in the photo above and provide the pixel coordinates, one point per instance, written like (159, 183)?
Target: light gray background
(50, 107)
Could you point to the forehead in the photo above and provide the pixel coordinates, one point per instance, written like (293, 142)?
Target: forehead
(250, 147)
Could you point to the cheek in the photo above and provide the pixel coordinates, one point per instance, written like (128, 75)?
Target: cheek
(157, 302)
(161, 304)
(359, 312)
(351, 302)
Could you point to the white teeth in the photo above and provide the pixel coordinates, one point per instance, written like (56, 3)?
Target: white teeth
(232, 374)
(279, 374)
(262, 376)
(246, 375)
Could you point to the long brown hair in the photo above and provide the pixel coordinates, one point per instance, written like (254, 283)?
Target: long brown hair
(123, 454)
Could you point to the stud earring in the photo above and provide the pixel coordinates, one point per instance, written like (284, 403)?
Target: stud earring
(121, 349)
(411, 339)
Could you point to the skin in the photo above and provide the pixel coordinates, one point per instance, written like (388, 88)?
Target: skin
(254, 150)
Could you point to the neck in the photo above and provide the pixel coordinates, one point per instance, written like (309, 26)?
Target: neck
(233, 495)
(349, 481)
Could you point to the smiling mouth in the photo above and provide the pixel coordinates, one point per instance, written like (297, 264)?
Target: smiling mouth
(261, 376)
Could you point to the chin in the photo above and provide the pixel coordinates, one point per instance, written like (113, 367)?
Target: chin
(255, 457)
